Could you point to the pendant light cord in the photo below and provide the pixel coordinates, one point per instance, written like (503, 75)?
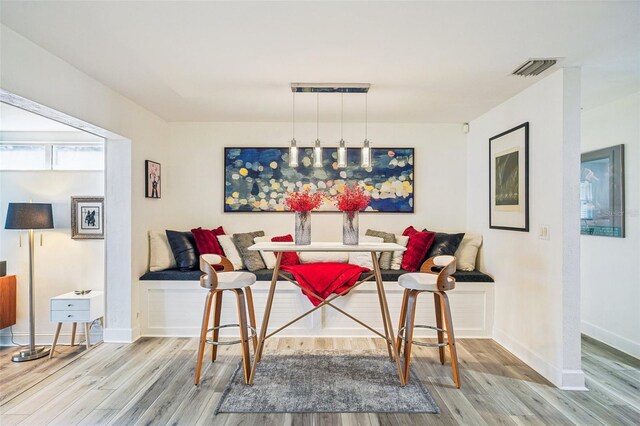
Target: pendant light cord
(366, 114)
(293, 115)
(341, 115)
(317, 116)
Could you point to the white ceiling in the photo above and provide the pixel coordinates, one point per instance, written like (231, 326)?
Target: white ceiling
(426, 61)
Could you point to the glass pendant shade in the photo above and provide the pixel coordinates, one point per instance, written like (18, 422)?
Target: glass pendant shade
(366, 154)
(293, 153)
(342, 154)
(317, 154)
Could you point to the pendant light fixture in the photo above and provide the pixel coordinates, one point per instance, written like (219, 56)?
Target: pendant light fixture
(342, 147)
(319, 88)
(293, 146)
(365, 153)
(317, 149)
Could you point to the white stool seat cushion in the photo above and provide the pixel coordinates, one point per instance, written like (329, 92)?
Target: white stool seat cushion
(420, 281)
(235, 279)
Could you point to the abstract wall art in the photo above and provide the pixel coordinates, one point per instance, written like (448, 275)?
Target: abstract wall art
(258, 179)
(509, 179)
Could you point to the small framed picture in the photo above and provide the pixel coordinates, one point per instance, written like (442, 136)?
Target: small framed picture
(509, 179)
(87, 218)
(152, 179)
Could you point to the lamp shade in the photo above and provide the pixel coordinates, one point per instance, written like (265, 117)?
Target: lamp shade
(29, 216)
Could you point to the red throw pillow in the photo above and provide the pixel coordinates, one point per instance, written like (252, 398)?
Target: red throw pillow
(417, 248)
(288, 257)
(409, 231)
(206, 240)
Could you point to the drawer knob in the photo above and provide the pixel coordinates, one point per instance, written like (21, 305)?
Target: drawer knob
(70, 304)
(69, 316)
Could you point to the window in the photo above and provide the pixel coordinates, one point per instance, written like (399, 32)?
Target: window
(24, 157)
(78, 157)
(51, 156)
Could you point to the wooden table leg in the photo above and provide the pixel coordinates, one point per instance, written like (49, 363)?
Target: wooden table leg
(386, 327)
(87, 328)
(386, 316)
(265, 320)
(55, 340)
(252, 318)
(73, 333)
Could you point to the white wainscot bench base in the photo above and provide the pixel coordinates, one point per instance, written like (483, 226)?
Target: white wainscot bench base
(174, 309)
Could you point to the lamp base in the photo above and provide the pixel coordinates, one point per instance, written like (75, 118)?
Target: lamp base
(30, 355)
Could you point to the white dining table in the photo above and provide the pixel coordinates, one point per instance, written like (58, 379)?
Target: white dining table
(374, 248)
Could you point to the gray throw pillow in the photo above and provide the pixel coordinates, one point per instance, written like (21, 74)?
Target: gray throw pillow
(385, 257)
(251, 259)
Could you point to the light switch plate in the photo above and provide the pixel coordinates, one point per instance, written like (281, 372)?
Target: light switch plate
(545, 232)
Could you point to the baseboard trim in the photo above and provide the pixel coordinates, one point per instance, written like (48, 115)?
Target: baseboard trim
(620, 343)
(562, 379)
(46, 339)
(121, 335)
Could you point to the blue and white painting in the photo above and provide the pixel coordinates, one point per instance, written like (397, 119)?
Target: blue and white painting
(258, 179)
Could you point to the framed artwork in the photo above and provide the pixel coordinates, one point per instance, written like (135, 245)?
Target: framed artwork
(152, 182)
(509, 179)
(87, 218)
(602, 192)
(258, 179)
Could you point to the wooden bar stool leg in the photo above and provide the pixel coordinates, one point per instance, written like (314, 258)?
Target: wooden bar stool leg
(252, 318)
(408, 331)
(203, 334)
(244, 334)
(217, 310)
(55, 340)
(73, 333)
(451, 338)
(439, 323)
(87, 328)
(402, 321)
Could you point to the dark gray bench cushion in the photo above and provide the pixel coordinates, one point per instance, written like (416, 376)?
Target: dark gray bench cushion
(266, 274)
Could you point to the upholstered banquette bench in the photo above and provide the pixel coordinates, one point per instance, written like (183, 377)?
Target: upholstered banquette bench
(171, 303)
(171, 300)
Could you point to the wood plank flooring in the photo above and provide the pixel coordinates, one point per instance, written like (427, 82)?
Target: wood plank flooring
(150, 382)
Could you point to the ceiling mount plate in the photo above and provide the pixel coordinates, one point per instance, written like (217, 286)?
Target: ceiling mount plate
(330, 87)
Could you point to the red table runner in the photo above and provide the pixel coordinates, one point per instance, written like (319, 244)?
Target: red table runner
(324, 278)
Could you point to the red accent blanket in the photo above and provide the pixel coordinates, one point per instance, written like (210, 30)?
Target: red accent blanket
(324, 278)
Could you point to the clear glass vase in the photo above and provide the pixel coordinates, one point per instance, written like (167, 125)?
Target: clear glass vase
(303, 228)
(350, 229)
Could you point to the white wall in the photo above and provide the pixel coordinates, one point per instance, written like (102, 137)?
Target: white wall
(193, 176)
(34, 73)
(537, 310)
(611, 266)
(61, 264)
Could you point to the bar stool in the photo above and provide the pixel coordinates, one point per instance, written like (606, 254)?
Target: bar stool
(436, 282)
(218, 282)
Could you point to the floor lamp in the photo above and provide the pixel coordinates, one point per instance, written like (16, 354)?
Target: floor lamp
(30, 216)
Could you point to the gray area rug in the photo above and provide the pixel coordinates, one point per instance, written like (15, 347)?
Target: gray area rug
(325, 382)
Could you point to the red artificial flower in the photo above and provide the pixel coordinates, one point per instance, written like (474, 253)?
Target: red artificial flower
(352, 199)
(303, 201)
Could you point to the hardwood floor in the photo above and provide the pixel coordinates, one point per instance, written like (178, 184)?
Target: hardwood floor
(151, 382)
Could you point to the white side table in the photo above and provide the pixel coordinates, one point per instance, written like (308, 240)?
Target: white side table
(74, 308)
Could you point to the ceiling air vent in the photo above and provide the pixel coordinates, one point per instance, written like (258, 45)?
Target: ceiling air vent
(534, 67)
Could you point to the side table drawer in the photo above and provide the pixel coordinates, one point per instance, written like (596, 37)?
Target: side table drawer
(70, 304)
(70, 316)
